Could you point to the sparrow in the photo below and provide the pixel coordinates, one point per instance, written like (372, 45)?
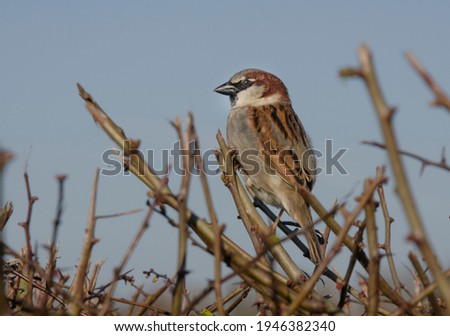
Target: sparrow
(273, 150)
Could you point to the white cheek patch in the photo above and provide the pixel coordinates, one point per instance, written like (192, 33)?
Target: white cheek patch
(253, 96)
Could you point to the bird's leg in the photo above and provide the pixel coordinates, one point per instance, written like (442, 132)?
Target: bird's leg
(266, 210)
(234, 156)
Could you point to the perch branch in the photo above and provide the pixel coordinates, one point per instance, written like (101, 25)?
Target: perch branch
(260, 276)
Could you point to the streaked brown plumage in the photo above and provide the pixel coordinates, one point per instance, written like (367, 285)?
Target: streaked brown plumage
(273, 148)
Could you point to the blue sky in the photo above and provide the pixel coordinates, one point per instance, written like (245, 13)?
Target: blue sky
(147, 62)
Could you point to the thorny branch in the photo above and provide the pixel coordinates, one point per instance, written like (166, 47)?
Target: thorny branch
(425, 162)
(384, 114)
(441, 99)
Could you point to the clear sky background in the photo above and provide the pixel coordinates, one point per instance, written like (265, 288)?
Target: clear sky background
(147, 62)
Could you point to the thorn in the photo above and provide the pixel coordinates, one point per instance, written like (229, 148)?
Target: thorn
(350, 72)
(443, 158)
(422, 168)
(392, 110)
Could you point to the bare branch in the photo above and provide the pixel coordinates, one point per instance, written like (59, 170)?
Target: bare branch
(440, 97)
(425, 162)
(384, 114)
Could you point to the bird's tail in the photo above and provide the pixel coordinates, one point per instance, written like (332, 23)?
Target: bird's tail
(303, 216)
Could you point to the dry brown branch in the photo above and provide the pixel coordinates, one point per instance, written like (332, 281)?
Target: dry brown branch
(38, 286)
(258, 276)
(77, 289)
(323, 213)
(94, 275)
(351, 265)
(239, 300)
(51, 265)
(131, 248)
(425, 282)
(218, 229)
(5, 214)
(142, 305)
(388, 220)
(440, 98)
(384, 113)
(424, 162)
(230, 180)
(419, 297)
(240, 291)
(29, 251)
(363, 199)
(374, 259)
(188, 163)
(119, 214)
(151, 298)
(6, 211)
(253, 221)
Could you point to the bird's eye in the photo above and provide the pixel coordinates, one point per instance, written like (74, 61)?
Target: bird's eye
(243, 84)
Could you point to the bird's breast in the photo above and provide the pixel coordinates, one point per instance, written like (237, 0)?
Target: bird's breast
(261, 179)
(240, 134)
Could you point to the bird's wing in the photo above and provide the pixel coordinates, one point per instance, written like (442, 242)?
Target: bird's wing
(284, 142)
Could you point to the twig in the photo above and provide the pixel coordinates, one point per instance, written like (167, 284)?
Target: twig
(239, 300)
(180, 285)
(150, 299)
(135, 298)
(5, 157)
(424, 162)
(351, 266)
(293, 236)
(388, 220)
(385, 114)
(441, 99)
(26, 227)
(240, 290)
(5, 213)
(38, 286)
(142, 305)
(48, 280)
(363, 199)
(77, 289)
(374, 259)
(419, 297)
(218, 229)
(425, 282)
(349, 242)
(94, 275)
(119, 214)
(131, 248)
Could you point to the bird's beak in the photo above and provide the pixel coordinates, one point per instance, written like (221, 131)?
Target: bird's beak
(227, 89)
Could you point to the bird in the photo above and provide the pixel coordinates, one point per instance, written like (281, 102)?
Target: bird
(272, 149)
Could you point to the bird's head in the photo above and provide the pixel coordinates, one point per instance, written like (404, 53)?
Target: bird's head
(253, 87)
